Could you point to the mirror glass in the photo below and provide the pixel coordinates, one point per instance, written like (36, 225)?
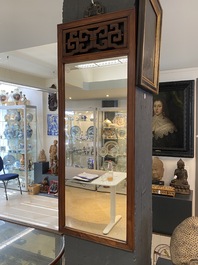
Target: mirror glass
(96, 140)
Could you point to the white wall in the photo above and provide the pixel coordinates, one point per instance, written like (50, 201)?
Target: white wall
(25, 24)
(47, 139)
(10, 76)
(179, 38)
(170, 163)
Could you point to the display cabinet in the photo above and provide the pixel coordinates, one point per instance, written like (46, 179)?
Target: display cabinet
(96, 136)
(18, 140)
(167, 214)
(80, 138)
(111, 139)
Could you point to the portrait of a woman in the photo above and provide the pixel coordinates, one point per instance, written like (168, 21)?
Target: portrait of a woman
(163, 129)
(172, 120)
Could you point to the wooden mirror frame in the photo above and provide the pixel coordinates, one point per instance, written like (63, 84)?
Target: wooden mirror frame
(79, 42)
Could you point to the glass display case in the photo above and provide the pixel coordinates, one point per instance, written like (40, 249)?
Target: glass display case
(95, 137)
(18, 140)
(111, 141)
(80, 138)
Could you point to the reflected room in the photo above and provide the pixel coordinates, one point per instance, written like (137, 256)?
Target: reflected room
(96, 143)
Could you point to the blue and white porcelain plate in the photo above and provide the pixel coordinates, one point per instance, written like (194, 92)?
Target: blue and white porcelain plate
(8, 160)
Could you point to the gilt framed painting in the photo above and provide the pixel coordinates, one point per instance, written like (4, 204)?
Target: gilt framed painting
(148, 45)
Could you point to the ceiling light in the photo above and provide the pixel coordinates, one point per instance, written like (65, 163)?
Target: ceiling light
(87, 65)
(123, 60)
(102, 63)
(107, 63)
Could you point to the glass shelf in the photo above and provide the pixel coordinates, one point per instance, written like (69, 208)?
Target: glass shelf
(18, 142)
(112, 140)
(24, 245)
(80, 138)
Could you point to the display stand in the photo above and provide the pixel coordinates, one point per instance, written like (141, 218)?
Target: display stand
(169, 212)
(40, 168)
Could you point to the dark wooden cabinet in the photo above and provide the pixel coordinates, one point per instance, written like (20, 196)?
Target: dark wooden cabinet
(169, 212)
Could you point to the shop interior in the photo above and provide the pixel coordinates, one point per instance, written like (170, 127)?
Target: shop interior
(91, 104)
(95, 140)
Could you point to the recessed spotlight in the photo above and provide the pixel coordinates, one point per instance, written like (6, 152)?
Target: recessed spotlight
(107, 96)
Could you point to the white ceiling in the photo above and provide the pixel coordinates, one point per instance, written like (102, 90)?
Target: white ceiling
(178, 47)
(40, 61)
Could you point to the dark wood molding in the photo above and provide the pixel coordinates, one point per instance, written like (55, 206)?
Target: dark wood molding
(122, 25)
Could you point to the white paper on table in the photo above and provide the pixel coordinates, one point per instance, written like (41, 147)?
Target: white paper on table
(86, 177)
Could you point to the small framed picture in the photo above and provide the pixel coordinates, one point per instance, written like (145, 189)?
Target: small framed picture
(148, 45)
(173, 119)
(52, 124)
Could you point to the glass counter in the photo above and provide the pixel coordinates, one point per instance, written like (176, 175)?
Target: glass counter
(21, 245)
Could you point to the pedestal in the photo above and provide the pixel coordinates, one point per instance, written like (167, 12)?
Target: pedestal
(39, 169)
(169, 212)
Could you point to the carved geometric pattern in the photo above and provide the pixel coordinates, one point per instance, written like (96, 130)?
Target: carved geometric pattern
(99, 37)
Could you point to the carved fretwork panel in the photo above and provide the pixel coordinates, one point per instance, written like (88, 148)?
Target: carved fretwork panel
(94, 38)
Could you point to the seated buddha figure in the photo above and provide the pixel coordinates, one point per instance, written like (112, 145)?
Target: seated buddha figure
(180, 182)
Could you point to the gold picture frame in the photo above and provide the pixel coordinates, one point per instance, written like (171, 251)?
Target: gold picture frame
(148, 45)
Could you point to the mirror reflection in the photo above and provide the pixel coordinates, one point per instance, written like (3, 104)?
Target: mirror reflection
(96, 140)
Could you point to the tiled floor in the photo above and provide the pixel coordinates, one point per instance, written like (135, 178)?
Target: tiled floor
(86, 210)
(32, 209)
(89, 211)
(43, 211)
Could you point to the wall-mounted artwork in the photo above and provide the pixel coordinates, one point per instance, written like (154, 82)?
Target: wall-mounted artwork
(173, 119)
(52, 124)
(148, 46)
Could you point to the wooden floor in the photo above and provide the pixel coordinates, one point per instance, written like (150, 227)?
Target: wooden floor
(86, 210)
